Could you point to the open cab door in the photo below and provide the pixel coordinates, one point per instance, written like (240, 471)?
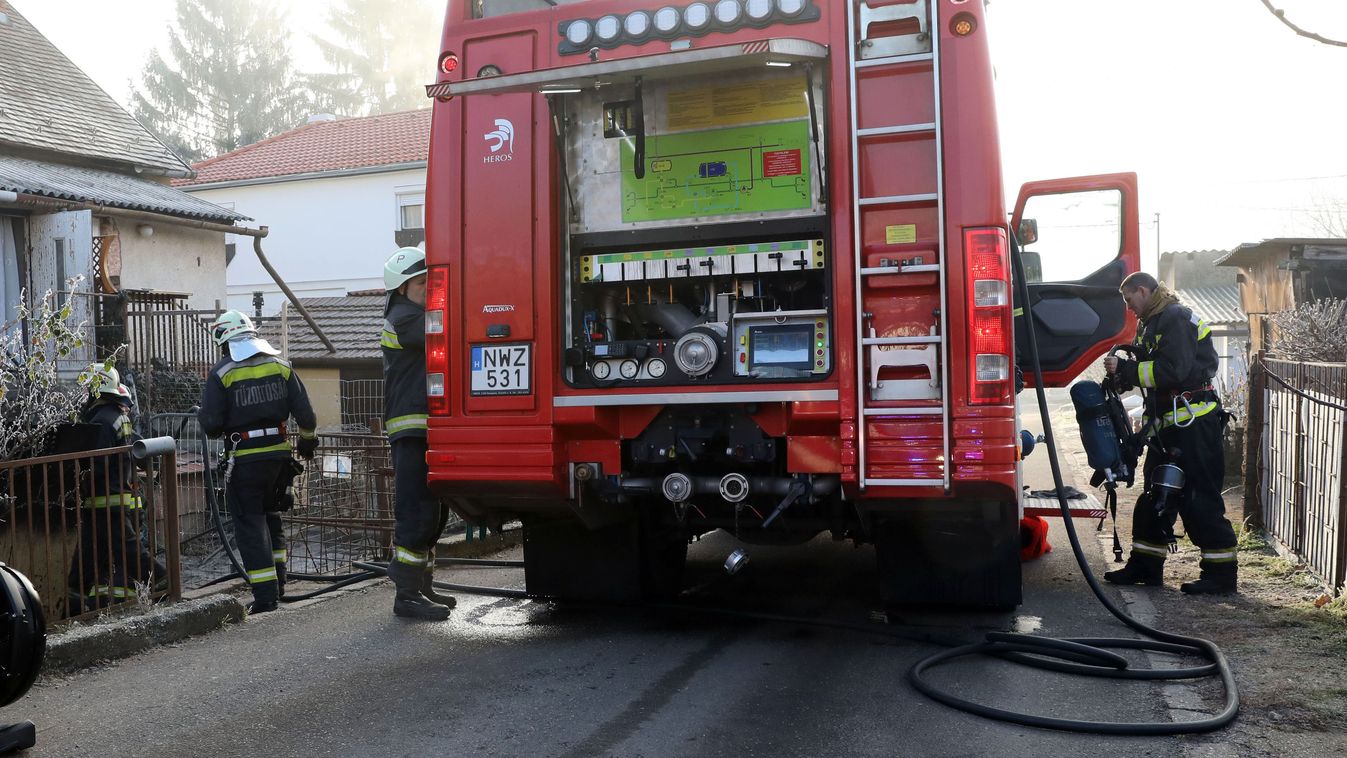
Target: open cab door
(1080, 239)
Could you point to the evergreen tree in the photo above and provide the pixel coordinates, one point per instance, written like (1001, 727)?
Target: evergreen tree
(382, 54)
(227, 80)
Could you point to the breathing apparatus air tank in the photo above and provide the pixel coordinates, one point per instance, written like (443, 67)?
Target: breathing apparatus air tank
(1097, 431)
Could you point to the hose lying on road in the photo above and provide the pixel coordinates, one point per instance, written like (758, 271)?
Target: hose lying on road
(1083, 656)
(471, 589)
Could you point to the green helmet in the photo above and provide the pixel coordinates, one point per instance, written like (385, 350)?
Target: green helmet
(231, 325)
(403, 266)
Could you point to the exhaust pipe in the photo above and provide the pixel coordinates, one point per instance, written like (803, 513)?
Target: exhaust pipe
(734, 488)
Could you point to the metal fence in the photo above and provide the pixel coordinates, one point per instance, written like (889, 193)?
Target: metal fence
(1303, 462)
(343, 509)
(85, 553)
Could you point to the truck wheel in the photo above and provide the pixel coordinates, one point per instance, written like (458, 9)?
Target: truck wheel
(950, 555)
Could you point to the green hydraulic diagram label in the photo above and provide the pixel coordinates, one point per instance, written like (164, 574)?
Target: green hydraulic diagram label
(751, 169)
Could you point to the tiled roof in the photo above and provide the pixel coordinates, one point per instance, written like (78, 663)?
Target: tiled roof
(48, 103)
(352, 323)
(89, 185)
(323, 146)
(1218, 305)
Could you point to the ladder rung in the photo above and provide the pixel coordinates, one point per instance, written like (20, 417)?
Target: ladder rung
(925, 197)
(901, 340)
(903, 482)
(894, 60)
(901, 129)
(921, 410)
(925, 268)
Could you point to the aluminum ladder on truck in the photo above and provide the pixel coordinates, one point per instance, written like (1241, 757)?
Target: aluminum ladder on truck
(901, 59)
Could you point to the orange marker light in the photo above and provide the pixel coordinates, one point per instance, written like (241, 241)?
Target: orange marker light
(963, 25)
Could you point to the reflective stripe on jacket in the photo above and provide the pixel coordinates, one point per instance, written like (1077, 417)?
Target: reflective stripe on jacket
(260, 392)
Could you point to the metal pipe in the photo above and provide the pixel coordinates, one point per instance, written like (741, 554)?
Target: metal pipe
(266, 264)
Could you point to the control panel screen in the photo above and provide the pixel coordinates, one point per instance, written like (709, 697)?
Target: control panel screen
(782, 346)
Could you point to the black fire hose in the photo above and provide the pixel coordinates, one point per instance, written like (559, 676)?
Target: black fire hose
(471, 589)
(1074, 655)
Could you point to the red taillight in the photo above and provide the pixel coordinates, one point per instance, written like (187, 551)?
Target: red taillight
(437, 341)
(448, 63)
(989, 325)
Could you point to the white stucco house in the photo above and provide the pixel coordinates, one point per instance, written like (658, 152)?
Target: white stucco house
(84, 192)
(338, 196)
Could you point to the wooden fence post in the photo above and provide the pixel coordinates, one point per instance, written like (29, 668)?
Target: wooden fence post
(1253, 444)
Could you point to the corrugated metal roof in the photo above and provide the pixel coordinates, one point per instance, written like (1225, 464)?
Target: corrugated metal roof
(88, 185)
(1218, 305)
(388, 139)
(351, 322)
(48, 103)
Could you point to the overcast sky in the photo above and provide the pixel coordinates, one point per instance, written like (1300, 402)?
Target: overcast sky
(1233, 123)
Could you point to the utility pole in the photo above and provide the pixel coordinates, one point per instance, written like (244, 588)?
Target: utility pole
(1157, 243)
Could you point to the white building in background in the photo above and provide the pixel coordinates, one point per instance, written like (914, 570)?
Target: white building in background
(338, 195)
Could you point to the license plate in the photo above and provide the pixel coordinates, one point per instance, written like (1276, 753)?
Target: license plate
(501, 369)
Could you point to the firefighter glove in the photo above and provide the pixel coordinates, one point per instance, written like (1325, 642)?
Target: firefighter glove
(307, 446)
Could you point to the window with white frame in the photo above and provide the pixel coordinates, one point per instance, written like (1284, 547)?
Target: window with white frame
(411, 210)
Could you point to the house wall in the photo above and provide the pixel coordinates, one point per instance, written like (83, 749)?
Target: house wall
(61, 248)
(174, 258)
(326, 237)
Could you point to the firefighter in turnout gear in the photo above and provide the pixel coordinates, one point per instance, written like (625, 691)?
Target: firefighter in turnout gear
(112, 558)
(419, 514)
(1183, 425)
(248, 397)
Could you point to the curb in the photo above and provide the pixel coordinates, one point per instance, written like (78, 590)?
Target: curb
(85, 645)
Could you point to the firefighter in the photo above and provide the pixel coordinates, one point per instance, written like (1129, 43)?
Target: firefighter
(112, 558)
(247, 399)
(419, 514)
(1183, 424)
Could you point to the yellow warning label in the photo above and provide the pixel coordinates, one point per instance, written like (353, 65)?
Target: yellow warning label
(900, 234)
(731, 105)
(661, 166)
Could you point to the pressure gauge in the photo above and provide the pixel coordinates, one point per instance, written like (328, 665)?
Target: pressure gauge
(655, 368)
(601, 370)
(629, 369)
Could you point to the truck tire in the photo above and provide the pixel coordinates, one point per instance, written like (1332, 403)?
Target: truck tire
(957, 555)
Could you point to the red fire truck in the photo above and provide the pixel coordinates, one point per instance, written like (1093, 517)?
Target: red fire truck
(744, 265)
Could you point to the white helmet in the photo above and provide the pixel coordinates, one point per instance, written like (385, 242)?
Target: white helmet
(235, 330)
(403, 266)
(231, 325)
(102, 379)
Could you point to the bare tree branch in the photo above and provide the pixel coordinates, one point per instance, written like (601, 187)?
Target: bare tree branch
(1281, 16)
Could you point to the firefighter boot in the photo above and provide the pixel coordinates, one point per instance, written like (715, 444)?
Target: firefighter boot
(1216, 579)
(1142, 569)
(409, 604)
(428, 591)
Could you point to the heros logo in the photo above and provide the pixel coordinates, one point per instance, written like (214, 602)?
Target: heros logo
(502, 139)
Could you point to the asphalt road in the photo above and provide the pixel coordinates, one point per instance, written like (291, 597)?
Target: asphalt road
(508, 677)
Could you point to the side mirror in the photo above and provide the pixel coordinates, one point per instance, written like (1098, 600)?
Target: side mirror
(1033, 266)
(1028, 232)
